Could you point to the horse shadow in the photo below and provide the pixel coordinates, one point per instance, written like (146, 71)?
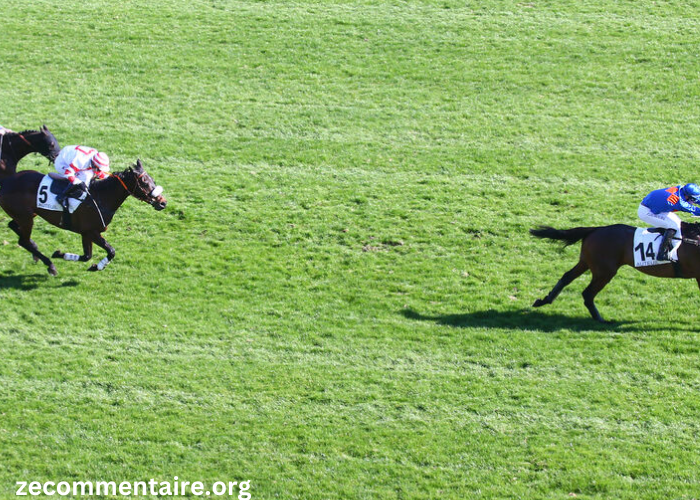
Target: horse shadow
(11, 281)
(521, 319)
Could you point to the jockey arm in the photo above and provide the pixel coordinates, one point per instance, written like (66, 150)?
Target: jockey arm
(70, 174)
(669, 200)
(688, 207)
(81, 171)
(80, 164)
(76, 160)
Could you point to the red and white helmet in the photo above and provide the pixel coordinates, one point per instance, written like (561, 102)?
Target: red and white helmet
(101, 162)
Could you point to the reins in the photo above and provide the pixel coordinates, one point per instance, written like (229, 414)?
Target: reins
(94, 202)
(124, 184)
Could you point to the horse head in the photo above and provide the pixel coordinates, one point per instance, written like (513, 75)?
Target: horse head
(145, 188)
(42, 142)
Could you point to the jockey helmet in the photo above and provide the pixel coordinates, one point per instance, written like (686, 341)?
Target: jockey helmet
(691, 192)
(101, 162)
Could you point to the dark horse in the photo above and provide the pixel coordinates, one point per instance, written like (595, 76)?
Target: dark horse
(16, 145)
(18, 198)
(605, 249)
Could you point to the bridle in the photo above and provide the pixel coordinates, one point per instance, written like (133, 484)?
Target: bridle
(153, 194)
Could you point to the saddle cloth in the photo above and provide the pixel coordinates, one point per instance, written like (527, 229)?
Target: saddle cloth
(49, 188)
(646, 247)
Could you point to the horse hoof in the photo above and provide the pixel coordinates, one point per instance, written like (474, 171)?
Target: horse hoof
(36, 259)
(93, 268)
(538, 303)
(52, 270)
(57, 255)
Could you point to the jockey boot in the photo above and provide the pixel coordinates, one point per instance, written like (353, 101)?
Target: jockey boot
(666, 246)
(72, 190)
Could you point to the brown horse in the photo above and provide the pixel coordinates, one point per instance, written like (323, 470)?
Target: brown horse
(605, 249)
(16, 145)
(18, 195)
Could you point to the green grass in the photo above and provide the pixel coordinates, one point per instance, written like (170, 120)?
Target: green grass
(335, 304)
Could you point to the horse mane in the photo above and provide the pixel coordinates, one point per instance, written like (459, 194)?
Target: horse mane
(123, 174)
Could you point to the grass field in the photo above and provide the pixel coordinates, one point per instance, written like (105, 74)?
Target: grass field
(336, 302)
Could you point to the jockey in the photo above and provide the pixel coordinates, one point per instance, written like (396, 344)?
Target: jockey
(658, 208)
(79, 164)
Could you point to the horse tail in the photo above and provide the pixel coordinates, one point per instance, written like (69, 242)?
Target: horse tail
(568, 236)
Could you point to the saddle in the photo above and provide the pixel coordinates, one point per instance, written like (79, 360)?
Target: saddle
(51, 186)
(59, 183)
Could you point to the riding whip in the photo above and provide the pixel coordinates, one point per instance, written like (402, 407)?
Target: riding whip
(99, 212)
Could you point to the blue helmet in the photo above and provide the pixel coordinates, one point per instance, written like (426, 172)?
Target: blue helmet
(691, 192)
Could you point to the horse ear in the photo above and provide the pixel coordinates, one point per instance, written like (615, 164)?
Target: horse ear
(44, 128)
(139, 166)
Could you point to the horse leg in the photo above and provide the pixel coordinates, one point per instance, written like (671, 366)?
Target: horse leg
(100, 242)
(24, 231)
(13, 225)
(87, 251)
(567, 278)
(601, 277)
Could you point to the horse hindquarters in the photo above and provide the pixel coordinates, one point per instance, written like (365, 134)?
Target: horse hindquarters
(605, 252)
(18, 200)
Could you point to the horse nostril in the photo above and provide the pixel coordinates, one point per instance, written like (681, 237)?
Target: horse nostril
(159, 204)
